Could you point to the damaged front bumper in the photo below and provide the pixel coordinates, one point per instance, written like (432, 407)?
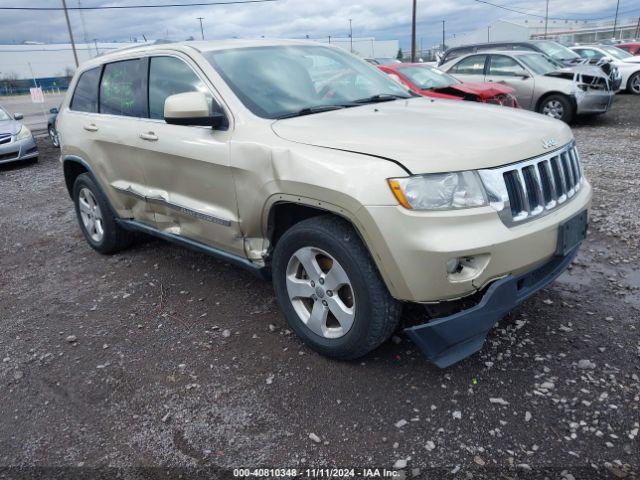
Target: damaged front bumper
(594, 102)
(447, 340)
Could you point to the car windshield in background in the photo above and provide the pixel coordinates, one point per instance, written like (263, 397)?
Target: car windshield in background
(282, 81)
(557, 51)
(616, 52)
(4, 115)
(426, 78)
(538, 64)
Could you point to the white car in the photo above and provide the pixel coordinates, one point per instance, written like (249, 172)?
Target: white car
(628, 65)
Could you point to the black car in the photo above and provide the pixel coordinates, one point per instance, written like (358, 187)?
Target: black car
(51, 127)
(554, 50)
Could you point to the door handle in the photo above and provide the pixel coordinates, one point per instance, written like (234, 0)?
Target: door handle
(92, 127)
(149, 136)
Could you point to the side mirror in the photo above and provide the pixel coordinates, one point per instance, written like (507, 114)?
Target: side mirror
(192, 108)
(18, 116)
(53, 110)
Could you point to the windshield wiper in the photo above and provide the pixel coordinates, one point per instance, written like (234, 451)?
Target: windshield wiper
(381, 97)
(311, 111)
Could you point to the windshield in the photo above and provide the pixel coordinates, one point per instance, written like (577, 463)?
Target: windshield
(616, 52)
(278, 81)
(4, 115)
(557, 51)
(426, 78)
(538, 64)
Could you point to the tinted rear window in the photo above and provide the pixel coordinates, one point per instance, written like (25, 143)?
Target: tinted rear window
(85, 97)
(122, 89)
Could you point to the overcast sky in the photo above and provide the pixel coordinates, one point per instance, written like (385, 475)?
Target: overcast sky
(384, 19)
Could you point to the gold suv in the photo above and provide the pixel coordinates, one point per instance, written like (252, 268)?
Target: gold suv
(304, 163)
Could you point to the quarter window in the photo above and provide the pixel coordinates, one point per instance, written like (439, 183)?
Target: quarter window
(85, 97)
(169, 76)
(473, 65)
(122, 89)
(505, 67)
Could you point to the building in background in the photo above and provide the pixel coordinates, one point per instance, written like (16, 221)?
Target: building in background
(498, 31)
(367, 47)
(52, 65)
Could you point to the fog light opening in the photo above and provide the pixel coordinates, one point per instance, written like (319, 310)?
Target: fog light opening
(453, 265)
(462, 269)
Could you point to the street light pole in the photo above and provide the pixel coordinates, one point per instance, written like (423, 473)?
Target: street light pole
(546, 20)
(443, 45)
(351, 35)
(201, 29)
(413, 32)
(615, 22)
(73, 44)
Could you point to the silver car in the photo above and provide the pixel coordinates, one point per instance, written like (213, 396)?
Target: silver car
(16, 140)
(540, 83)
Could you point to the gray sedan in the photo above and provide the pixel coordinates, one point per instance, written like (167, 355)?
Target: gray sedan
(540, 84)
(16, 140)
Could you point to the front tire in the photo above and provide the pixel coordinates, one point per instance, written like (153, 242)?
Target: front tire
(633, 85)
(557, 106)
(96, 218)
(330, 291)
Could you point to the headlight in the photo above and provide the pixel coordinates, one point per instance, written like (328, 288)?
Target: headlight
(23, 133)
(439, 191)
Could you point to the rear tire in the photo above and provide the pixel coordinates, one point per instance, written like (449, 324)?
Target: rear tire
(53, 136)
(96, 218)
(557, 106)
(633, 85)
(342, 278)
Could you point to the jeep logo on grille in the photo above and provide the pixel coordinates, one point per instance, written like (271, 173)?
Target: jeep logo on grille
(548, 143)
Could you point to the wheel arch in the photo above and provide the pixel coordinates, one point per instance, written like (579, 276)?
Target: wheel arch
(282, 212)
(571, 99)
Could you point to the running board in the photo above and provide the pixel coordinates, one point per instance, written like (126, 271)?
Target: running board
(135, 226)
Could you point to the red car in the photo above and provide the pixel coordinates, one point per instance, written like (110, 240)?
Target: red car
(632, 47)
(431, 82)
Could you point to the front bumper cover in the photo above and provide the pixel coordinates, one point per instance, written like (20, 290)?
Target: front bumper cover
(448, 340)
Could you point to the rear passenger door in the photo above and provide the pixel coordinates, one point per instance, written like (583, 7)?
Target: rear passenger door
(470, 69)
(507, 71)
(101, 117)
(191, 185)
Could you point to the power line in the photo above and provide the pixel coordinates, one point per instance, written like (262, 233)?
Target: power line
(522, 12)
(120, 7)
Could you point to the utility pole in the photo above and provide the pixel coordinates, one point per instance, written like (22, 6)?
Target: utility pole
(73, 44)
(201, 29)
(443, 46)
(413, 32)
(546, 20)
(95, 42)
(329, 39)
(488, 33)
(615, 22)
(351, 35)
(637, 29)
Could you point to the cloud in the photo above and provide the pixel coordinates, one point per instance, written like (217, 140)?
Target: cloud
(383, 19)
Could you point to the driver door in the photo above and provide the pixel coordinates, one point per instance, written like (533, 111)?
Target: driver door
(507, 71)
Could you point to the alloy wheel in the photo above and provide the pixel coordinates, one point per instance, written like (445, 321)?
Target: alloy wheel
(321, 293)
(635, 84)
(91, 215)
(554, 109)
(53, 135)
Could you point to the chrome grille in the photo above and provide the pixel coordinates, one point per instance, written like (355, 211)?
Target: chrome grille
(523, 191)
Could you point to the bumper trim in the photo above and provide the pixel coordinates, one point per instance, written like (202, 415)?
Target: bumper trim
(445, 341)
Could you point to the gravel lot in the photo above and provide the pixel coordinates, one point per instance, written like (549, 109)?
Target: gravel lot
(163, 357)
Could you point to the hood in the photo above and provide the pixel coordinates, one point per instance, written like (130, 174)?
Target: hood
(429, 135)
(482, 90)
(10, 127)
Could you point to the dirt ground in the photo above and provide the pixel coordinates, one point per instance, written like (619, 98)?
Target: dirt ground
(162, 357)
